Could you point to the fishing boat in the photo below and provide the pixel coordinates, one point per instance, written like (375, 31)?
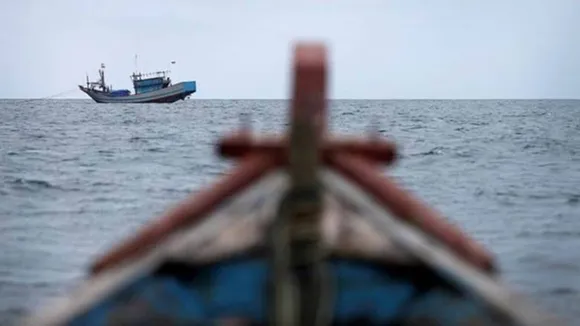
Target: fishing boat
(306, 229)
(155, 87)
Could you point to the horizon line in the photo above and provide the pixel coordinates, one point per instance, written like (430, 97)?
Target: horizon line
(330, 99)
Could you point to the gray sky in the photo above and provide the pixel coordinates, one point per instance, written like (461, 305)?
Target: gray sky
(241, 49)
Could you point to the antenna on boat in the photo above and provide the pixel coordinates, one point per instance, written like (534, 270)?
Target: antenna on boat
(136, 69)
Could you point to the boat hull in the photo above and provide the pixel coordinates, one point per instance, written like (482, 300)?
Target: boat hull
(170, 94)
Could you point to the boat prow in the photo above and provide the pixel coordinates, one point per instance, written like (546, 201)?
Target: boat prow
(305, 230)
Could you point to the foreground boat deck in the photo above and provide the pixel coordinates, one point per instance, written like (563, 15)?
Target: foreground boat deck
(383, 270)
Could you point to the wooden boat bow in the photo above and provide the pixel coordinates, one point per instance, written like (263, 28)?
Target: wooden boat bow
(355, 158)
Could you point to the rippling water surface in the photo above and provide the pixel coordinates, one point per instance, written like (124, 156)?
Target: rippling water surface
(76, 177)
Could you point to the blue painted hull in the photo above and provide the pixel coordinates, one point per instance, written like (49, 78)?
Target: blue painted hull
(365, 294)
(170, 94)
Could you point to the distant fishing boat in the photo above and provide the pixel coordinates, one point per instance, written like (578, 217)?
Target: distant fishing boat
(306, 230)
(153, 87)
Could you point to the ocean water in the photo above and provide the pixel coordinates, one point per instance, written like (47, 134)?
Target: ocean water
(77, 177)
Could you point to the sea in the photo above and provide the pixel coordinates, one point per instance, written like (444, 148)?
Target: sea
(77, 177)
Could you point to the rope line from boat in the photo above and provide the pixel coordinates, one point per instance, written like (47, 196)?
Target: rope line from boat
(302, 282)
(52, 96)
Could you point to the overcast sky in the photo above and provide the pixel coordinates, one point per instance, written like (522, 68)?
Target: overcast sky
(241, 49)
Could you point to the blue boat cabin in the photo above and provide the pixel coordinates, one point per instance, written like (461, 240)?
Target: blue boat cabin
(149, 84)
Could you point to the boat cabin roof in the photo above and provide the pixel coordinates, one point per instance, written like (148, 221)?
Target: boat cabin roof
(152, 75)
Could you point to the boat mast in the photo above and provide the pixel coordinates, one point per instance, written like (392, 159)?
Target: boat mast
(102, 74)
(301, 279)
